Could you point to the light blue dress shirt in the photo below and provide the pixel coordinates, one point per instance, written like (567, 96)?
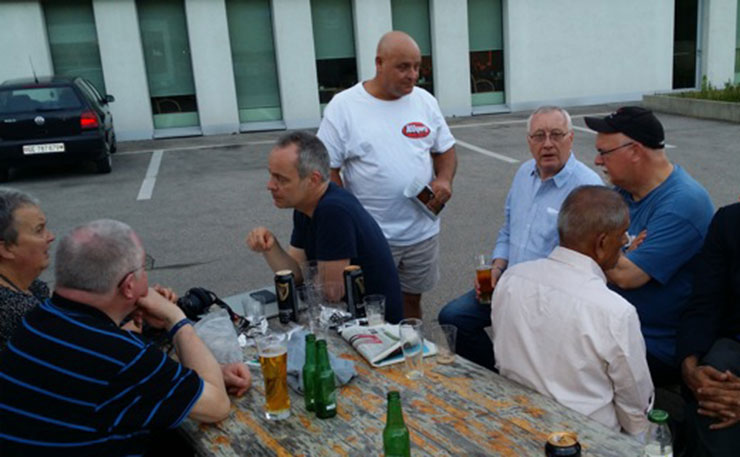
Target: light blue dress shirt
(531, 227)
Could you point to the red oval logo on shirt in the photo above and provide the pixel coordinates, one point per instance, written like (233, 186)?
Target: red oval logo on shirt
(415, 130)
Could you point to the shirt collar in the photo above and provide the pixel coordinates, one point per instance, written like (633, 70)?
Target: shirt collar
(71, 305)
(578, 261)
(561, 178)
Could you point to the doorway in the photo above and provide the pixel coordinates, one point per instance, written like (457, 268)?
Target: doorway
(686, 49)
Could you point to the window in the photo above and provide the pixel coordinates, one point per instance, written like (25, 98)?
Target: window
(334, 42)
(253, 55)
(737, 45)
(412, 17)
(169, 71)
(485, 34)
(73, 40)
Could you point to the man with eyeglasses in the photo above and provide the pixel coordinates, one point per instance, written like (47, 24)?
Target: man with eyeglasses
(530, 228)
(671, 211)
(72, 382)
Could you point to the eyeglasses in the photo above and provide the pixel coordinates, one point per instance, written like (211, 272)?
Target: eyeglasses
(608, 151)
(148, 265)
(555, 136)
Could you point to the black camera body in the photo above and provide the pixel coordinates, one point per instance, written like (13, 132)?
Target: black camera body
(196, 301)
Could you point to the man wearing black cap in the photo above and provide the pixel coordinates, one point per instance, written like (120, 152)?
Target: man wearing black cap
(671, 210)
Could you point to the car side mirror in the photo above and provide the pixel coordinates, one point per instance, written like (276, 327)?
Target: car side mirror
(109, 98)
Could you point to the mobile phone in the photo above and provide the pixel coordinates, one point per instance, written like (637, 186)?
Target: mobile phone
(263, 296)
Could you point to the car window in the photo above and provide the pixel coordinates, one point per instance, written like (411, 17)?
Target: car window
(92, 89)
(88, 93)
(38, 99)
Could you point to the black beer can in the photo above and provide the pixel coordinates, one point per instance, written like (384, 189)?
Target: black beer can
(354, 289)
(562, 444)
(286, 296)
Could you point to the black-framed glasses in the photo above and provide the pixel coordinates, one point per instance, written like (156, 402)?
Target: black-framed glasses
(148, 265)
(555, 136)
(608, 151)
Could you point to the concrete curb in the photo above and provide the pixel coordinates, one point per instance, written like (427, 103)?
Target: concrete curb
(707, 109)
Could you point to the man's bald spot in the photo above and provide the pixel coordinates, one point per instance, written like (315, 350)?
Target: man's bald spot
(393, 40)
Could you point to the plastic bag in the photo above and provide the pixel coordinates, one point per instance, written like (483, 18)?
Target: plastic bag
(217, 331)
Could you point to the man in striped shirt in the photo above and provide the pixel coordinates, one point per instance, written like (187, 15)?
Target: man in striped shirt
(73, 383)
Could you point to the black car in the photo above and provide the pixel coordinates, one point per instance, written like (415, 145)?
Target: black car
(55, 119)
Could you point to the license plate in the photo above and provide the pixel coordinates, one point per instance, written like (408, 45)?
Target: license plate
(43, 148)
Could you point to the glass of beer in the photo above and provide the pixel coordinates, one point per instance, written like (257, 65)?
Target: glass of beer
(273, 354)
(483, 275)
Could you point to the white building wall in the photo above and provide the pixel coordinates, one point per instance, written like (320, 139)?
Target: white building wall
(371, 20)
(588, 51)
(718, 63)
(296, 63)
(451, 56)
(122, 58)
(213, 69)
(23, 36)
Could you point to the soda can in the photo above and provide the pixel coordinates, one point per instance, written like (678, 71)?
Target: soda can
(562, 444)
(286, 296)
(354, 287)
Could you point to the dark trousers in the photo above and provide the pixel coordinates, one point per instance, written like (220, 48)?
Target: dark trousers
(471, 319)
(663, 375)
(701, 441)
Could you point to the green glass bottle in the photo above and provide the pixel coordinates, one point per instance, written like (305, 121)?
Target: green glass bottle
(396, 440)
(326, 392)
(309, 373)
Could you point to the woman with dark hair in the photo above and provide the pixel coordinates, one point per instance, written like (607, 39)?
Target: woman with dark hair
(24, 254)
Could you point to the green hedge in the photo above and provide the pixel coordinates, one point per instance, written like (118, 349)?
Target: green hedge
(730, 93)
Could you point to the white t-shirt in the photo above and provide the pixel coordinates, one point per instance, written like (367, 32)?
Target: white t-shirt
(381, 147)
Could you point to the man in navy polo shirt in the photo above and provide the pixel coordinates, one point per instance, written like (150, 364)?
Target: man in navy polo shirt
(329, 224)
(667, 207)
(72, 382)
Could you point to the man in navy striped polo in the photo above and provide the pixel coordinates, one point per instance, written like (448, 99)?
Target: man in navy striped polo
(73, 383)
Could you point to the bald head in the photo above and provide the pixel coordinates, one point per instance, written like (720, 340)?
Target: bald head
(593, 221)
(395, 41)
(396, 67)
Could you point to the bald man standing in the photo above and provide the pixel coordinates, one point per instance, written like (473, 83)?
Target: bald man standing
(385, 134)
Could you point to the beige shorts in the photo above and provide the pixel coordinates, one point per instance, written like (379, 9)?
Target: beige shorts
(418, 265)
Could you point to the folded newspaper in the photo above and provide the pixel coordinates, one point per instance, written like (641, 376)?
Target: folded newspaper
(380, 345)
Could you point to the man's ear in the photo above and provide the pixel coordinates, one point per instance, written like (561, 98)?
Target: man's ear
(6, 251)
(127, 286)
(599, 247)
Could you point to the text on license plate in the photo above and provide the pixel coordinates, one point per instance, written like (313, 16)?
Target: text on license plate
(43, 148)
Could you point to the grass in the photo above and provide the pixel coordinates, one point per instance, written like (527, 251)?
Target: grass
(730, 93)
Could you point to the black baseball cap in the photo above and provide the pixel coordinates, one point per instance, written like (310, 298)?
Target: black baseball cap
(638, 123)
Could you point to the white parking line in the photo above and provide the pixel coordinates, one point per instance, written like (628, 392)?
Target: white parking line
(202, 146)
(588, 130)
(514, 121)
(486, 152)
(147, 186)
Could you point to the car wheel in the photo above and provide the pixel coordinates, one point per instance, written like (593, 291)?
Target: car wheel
(104, 165)
(113, 143)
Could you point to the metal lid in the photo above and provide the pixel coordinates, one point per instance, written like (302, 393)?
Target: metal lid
(351, 267)
(562, 439)
(283, 272)
(658, 416)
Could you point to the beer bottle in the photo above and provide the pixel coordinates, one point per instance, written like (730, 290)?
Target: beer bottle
(396, 441)
(309, 373)
(326, 393)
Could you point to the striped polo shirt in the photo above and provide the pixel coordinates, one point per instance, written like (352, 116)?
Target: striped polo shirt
(73, 383)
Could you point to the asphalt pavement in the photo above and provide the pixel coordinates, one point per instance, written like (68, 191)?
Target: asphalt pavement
(193, 200)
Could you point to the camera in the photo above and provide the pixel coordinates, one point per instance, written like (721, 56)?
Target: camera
(196, 301)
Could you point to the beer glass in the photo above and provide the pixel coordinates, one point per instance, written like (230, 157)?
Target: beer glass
(483, 275)
(273, 354)
(411, 335)
(444, 336)
(375, 309)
